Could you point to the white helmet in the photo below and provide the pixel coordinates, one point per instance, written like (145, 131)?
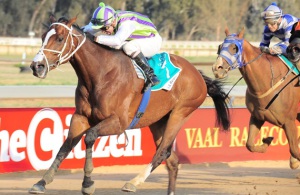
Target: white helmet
(271, 13)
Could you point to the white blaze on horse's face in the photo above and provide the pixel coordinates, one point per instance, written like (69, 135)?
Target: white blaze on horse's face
(40, 55)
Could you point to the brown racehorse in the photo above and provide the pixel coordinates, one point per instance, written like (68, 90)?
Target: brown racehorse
(272, 95)
(108, 95)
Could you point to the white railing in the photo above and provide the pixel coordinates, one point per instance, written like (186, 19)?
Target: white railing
(30, 46)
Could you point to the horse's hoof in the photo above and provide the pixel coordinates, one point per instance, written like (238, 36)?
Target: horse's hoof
(88, 191)
(128, 187)
(37, 189)
(267, 140)
(294, 163)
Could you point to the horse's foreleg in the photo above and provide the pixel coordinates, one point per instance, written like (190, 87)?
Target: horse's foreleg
(254, 127)
(293, 139)
(109, 126)
(77, 127)
(67, 146)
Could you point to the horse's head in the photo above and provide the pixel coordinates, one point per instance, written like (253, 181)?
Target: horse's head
(293, 50)
(58, 45)
(229, 54)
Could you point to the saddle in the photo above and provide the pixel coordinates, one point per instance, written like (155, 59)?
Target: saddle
(163, 68)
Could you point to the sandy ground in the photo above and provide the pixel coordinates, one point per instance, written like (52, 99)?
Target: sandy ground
(243, 178)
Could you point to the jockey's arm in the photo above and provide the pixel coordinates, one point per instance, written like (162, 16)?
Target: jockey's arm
(280, 48)
(88, 28)
(266, 37)
(117, 40)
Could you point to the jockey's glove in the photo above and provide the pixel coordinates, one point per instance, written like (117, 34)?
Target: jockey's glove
(275, 50)
(264, 49)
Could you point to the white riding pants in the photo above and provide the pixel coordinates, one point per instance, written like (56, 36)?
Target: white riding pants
(148, 46)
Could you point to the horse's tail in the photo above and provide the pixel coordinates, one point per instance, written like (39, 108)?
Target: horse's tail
(220, 99)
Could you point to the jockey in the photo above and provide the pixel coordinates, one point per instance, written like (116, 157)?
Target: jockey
(278, 25)
(133, 32)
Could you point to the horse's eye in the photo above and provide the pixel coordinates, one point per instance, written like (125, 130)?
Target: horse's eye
(296, 49)
(60, 39)
(233, 49)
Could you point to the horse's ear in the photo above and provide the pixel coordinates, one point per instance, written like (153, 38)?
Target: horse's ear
(227, 31)
(242, 32)
(295, 33)
(52, 18)
(45, 25)
(296, 27)
(293, 28)
(71, 21)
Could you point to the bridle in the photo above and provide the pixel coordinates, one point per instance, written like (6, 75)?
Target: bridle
(62, 58)
(234, 60)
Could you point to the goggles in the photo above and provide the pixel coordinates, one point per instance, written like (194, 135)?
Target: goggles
(270, 14)
(271, 21)
(100, 22)
(104, 28)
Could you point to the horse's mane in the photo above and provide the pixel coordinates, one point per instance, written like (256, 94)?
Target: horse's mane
(89, 36)
(65, 20)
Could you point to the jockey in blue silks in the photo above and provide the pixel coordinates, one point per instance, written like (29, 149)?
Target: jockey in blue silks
(277, 25)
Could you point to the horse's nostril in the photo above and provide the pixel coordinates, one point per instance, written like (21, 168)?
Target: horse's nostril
(220, 68)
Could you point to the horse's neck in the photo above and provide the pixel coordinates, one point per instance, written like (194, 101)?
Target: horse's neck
(91, 64)
(257, 73)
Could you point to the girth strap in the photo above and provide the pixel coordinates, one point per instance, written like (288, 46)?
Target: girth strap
(141, 110)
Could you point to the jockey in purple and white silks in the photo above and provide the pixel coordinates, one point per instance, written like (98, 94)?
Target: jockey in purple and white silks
(276, 25)
(133, 32)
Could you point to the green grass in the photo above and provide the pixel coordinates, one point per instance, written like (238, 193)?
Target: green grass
(65, 75)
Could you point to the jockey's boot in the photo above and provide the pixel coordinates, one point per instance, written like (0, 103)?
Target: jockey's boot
(151, 78)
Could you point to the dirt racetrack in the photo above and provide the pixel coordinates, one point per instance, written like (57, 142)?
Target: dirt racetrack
(243, 178)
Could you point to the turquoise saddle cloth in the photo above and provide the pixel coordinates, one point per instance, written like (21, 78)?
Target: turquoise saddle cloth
(164, 69)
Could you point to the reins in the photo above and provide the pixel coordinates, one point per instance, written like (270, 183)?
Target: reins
(233, 86)
(276, 85)
(272, 88)
(242, 76)
(253, 59)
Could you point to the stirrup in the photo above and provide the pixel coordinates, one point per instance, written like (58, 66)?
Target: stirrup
(154, 80)
(147, 85)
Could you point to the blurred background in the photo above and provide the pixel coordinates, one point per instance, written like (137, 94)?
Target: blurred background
(187, 20)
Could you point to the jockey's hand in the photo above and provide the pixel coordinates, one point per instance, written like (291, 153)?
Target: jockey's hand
(275, 50)
(265, 49)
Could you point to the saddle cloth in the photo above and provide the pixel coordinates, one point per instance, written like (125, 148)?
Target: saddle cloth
(163, 68)
(289, 64)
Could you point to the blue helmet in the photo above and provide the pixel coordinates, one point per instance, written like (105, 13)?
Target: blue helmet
(272, 13)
